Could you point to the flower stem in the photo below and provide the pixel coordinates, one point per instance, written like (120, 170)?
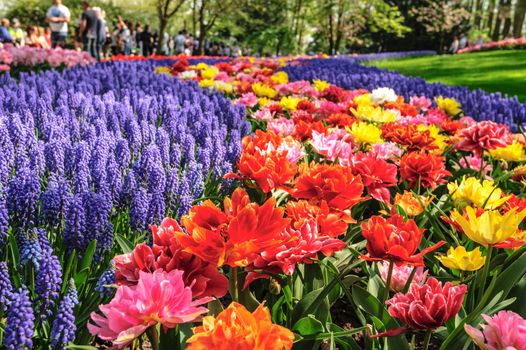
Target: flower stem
(153, 337)
(427, 339)
(386, 289)
(485, 271)
(235, 291)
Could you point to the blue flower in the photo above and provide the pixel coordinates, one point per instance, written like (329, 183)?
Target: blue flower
(20, 324)
(64, 328)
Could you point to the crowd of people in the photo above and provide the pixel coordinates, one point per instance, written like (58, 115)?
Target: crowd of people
(92, 33)
(462, 42)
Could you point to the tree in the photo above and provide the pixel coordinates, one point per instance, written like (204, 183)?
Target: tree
(166, 9)
(206, 13)
(442, 18)
(518, 18)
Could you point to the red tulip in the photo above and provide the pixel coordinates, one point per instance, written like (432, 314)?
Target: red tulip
(485, 135)
(427, 306)
(395, 239)
(427, 169)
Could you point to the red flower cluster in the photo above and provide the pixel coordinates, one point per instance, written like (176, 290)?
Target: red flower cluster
(483, 136)
(426, 169)
(236, 236)
(262, 162)
(167, 254)
(409, 136)
(395, 239)
(427, 306)
(334, 184)
(377, 175)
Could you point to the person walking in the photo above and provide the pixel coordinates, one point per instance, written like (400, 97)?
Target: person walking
(16, 33)
(5, 37)
(146, 41)
(180, 40)
(58, 17)
(88, 29)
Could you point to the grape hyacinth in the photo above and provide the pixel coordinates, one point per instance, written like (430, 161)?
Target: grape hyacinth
(5, 286)
(63, 329)
(106, 279)
(20, 322)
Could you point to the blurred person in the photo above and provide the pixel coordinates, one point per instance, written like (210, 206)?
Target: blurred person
(16, 33)
(46, 34)
(166, 44)
(146, 41)
(5, 37)
(138, 41)
(32, 39)
(88, 29)
(58, 17)
(454, 45)
(479, 41)
(124, 36)
(100, 32)
(180, 40)
(463, 43)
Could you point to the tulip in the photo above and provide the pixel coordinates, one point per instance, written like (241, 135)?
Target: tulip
(505, 330)
(427, 306)
(460, 259)
(237, 328)
(395, 240)
(401, 275)
(159, 297)
(490, 227)
(472, 192)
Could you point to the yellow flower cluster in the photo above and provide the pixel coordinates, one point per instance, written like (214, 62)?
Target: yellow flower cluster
(373, 114)
(510, 153)
(460, 259)
(289, 103)
(365, 133)
(448, 105)
(471, 191)
(491, 227)
(320, 85)
(280, 78)
(262, 90)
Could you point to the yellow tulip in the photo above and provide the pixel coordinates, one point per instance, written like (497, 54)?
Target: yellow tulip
(320, 85)
(491, 227)
(373, 114)
(262, 90)
(364, 99)
(510, 153)
(289, 103)
(471, 191)
(448, 105)
(280, 78)
(460, 259)
(365, 133)
(162, 70)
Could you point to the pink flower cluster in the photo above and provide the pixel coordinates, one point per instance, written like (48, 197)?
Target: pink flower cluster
(30, 56)
(506, 330)
(494, 45)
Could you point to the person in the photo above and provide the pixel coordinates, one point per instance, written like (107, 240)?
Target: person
(146, 41)
(463, 43)
(100, 32)
(124, 37)
(138, 33)
(454, 45)
(16, 33)
(180, 40)
(45, 33)
(5, 37)
(166, 42)
(88, 29)
(32, 39)
(480, 41)
(58, 17)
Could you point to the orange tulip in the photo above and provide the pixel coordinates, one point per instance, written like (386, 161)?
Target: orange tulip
(237, 328)
(236, 236)
(263, 163)
(333, 183)
(330, 224)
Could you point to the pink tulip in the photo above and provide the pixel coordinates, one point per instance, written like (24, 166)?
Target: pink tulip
(332, 146)
(485, 135)
(247, 99)
(159, 297)
(281, 126)
(420, 102)
(504, 331)
(401, 275)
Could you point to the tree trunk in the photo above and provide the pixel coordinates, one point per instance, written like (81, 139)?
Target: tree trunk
(491, 15)
(163, 21)
(498, 23)
(507, 19)
(518, 18)
(478, 13)
(194, 17)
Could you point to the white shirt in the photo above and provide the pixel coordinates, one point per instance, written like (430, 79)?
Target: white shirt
(58, 11)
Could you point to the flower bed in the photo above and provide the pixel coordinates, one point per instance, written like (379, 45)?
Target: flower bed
(350, 75)
(31, 59)
(405, 210)
(90, 158)
(505, 44)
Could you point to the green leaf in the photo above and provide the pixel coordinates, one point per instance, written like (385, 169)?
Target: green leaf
(313, 303)
(125, 244)
(84, 268)
(308, 325)
(80, 347)
(508, 278)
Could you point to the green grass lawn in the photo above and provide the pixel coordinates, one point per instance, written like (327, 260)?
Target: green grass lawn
(493, 71)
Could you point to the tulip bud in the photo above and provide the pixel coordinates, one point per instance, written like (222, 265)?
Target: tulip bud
(274, 287)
